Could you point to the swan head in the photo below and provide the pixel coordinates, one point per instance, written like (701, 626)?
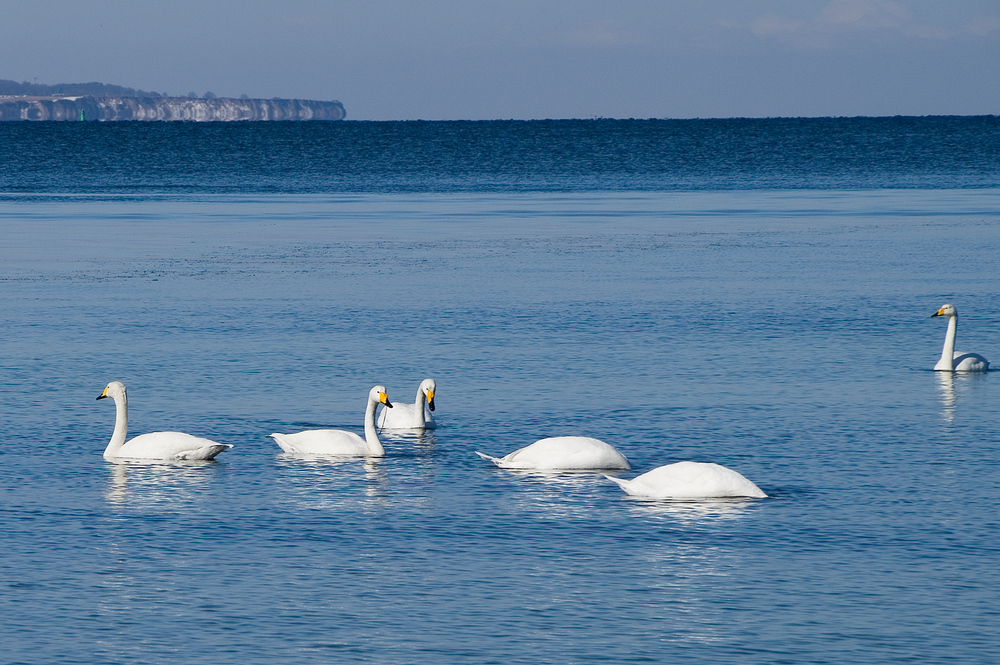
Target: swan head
(115, 390)
(379, 396)
(429, 387)
(946, 310)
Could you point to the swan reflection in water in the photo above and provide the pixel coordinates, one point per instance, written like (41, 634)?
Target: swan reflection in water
(330, 481)
(166, 485)
(556, 494)
(946, 387)
(422, 440)
(951, 389)
(694, 510)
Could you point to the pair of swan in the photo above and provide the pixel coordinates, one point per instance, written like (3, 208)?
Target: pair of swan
(683, 480)
(343, 443)
(956, 361)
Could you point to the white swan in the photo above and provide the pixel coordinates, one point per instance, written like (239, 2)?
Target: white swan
(563, 453)
(690, 480)
(338, 441)
(412, 416)
(155, 445)
(952, 361)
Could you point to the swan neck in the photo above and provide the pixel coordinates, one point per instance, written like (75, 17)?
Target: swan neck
(948, 352)
(121, 427)
(418, 409)
(375, 448)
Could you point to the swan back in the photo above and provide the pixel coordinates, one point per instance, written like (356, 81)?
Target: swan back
(690, 480)
(563, 453)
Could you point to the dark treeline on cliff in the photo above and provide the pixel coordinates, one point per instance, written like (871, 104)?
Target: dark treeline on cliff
(93, 89)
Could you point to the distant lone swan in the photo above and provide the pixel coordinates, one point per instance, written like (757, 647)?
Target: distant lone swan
(952, 361)
(338, 441)
(690, 480)
(563, 453)
(412, 416)
(155, 445)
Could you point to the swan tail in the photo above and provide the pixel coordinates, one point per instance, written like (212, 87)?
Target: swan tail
(624, 484)
(284, 445)
(495, 460)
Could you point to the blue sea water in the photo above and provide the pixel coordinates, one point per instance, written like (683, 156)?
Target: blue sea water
(751, 293)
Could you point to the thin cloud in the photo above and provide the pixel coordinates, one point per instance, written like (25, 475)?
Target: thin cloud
(777, 26)
(840, 19)
(983, 26)
(604, 34)
(863, 14)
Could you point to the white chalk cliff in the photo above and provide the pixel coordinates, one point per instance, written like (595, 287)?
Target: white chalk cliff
(108, 109)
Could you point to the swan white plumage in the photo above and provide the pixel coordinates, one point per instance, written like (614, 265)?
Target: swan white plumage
(952, 361)
(690, 480)
(412, 416)
(155, 445)
(337, 441)
(563, 453)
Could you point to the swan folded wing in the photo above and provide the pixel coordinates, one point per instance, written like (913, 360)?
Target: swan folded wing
(170, 446)
(587, 453)
(704, 480)
(323, 442)
(572, 453)
(969, 362)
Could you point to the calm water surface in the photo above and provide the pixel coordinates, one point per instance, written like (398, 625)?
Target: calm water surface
(785, 334)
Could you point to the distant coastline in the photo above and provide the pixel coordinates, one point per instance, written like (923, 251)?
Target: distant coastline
(111, 109)
(69, 102)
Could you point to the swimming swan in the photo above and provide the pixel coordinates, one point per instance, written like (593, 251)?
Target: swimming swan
(155, 445)
(338, 441)
(412, 416)
(563, 453)
(952, 361)
(690, 480)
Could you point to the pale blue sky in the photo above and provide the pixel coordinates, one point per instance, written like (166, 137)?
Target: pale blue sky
(451, 59)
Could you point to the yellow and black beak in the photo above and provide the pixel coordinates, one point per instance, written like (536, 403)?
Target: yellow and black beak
(940, 312)
(430, 399)
(382, 397)
(103, 395)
